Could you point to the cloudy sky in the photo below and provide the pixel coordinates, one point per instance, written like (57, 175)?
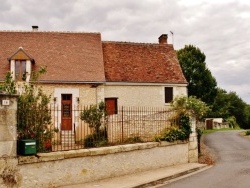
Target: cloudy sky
(219, 28)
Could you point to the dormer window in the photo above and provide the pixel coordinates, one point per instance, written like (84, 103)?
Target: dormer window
(20, 65)
(20, 70)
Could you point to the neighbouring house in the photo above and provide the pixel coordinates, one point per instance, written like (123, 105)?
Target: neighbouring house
(82, 70)
(216, 123)
(142, 74)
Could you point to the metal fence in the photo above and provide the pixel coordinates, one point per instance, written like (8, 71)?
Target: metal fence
(126, 125)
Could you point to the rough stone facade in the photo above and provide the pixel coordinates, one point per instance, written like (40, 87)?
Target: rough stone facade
(8, 107)
(85, 92)
(193, 143)
(149, 95)
(136, 122)
(86, 165)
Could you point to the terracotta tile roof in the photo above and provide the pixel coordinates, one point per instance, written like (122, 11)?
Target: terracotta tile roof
(69, 57)
(139, 62)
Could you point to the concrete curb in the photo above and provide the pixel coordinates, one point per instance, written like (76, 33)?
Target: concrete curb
(152, 178)
(173, 177)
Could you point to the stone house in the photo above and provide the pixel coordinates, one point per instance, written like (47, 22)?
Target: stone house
(82, 69)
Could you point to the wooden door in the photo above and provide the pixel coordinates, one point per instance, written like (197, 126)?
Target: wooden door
(209, 124)
(111, 105)
(66, 112)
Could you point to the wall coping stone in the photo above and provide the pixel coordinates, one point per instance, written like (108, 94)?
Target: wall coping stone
(60, 155)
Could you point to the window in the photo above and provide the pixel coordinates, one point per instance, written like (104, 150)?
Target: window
(168, 94)
(20, 65)
(111, 105)
(20, 70)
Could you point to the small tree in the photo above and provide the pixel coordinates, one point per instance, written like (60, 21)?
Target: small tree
(33, 114)
(190, 105)
(95, 115)
(9, 85)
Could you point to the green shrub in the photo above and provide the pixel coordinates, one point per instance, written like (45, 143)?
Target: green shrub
(33, 113)
(96, 139)
(177, 132)
(174, 134)
(133, 139)
(247, 132)
(185, 125)
(93, 116)
(190, 105)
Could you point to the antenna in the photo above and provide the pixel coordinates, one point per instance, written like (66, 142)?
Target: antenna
(172, 33)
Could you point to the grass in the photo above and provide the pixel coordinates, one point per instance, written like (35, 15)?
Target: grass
(208, 131)
(247, 132)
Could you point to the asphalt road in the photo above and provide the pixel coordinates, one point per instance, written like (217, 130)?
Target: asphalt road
(232, 168)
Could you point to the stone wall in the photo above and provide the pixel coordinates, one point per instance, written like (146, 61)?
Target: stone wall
(8, 107)
(9, 174)
(86, 165)
(144, 123)
(193, 143)
(149, 95)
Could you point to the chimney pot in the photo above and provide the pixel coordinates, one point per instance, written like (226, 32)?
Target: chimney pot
(35, 28)
(163, 39)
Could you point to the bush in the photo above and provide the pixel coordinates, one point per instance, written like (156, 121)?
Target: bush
(177, 132)
(247, 133)
(33, 114)
(96, 139)
(190, 105)
(185, 125)
(134, 139)
(93, 116)
(174, 134)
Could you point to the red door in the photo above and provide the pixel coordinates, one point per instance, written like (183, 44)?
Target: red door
(66, 112)
(111, 105)
(209, 124)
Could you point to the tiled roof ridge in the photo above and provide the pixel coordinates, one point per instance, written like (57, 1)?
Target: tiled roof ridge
(30, 31)
(136, 43)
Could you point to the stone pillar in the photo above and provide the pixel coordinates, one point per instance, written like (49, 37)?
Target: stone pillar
(99, 94)
(8, 122)
(193, 143)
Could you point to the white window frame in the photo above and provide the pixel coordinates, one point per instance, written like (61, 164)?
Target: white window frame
(28, 69)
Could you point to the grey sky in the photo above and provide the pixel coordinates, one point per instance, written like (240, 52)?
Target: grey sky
(220, 28)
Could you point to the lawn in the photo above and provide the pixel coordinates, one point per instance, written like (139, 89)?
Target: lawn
(215, 130)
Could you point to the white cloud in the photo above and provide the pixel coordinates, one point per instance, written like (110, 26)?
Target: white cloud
(220, 28)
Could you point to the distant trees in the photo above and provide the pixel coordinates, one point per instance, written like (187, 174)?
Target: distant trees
(202, 84)
(231, 107)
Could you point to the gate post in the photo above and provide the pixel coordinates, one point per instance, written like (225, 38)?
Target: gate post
(193, 143)
(8, 123)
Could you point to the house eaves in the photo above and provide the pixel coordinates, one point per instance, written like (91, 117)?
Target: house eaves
(145, 84)
(70, 82)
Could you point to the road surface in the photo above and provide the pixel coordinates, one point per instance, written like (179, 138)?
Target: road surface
(232, 168)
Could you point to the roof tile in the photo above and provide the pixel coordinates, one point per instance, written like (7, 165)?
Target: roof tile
(140, 62)
(68, 56)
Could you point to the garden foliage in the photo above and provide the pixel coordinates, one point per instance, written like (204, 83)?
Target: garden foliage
(95, 116)
(176, 132)
(33, 114)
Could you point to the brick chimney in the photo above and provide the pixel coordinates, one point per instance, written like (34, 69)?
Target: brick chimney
(163, 39)
(34, 28)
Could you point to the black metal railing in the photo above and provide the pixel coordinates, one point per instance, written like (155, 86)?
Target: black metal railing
(128, 125)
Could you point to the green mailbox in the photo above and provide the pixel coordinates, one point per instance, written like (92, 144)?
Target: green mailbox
(27, 147)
